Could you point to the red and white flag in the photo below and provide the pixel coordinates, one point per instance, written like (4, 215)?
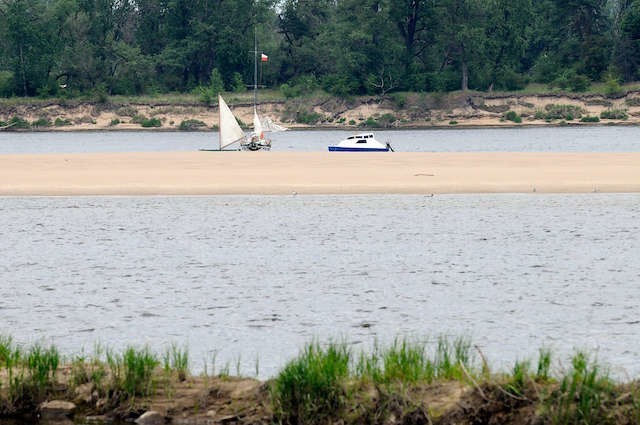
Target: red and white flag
(263, 57)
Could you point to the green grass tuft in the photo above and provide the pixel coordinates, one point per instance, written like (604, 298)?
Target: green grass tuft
(177, 359)
(583, 395)
(311, 387)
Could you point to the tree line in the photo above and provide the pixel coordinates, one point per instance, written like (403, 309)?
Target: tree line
(347, 47)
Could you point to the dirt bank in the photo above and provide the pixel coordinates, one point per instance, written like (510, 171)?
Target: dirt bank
(411, 110)
(227, 400)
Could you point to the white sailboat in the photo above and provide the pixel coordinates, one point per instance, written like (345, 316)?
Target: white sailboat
(231, 132)
(261, 125)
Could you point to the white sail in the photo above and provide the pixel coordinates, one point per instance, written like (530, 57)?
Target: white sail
(230, 131)
(257, 125)
(269, 125)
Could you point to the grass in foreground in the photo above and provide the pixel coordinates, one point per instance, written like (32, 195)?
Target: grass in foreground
(446, 381)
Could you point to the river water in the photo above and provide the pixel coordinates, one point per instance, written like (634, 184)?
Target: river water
(248, 280)
(540, 139)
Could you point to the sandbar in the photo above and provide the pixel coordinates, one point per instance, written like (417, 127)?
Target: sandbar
(277, 173)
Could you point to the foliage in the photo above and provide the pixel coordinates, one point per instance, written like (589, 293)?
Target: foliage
(41, 122)
(311, 386)
(589, 118)
(59, 122)
(97, 50)
(18, 123)
(151, 123)
(209, 94)
(308, 117)
(177, 359)
(513, 116)
(6, 83)
(238, 84)
(300, 86)
(583, 394)
(614, 114)
(191, 125)
(132, 371)
(559, 112)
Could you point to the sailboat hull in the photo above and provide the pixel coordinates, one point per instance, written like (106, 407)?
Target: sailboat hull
(256, 146)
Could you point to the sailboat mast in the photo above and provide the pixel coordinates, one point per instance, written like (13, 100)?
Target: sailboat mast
(255, 69)
(219, 122)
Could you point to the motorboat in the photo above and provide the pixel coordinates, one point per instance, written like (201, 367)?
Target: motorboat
(363, 142)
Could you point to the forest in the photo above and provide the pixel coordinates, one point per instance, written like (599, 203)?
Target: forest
(71, 48)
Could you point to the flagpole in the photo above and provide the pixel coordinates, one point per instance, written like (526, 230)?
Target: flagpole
(255, 69)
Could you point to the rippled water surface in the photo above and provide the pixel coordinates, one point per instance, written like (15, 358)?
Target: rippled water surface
(241, 278)
(541, 139)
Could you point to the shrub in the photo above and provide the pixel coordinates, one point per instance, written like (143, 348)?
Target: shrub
(573, 81)
(579, 83)
(614, 114)
(632, 101)
(126, 111)
(513, 116)
(612, 87)
(287, 91)
(191, 124)
(308, 117)
(114, 122)
(151, 122)
(138, 119)
(341, 85)
(400, 99)
(209, 94)
(300, 86)
(370, 123)
(238, 84)
(19, 123)
(62, 122)
(453, 122)
(590, 119)
(511, 80)
(100, 94)
(560, 112)
(41, 122)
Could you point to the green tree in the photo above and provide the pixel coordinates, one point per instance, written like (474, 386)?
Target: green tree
(27, 44)
(507, 36)
(462, 38)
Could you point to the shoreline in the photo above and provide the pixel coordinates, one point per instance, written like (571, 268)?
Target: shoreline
(322, 111)
(305, 128)
(316, 173)
(407, 382)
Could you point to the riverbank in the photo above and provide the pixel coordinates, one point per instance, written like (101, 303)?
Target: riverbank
(398, 110)
(445, 382)
(285, 173)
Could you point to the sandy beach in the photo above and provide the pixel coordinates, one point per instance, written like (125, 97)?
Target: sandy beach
(211, 173)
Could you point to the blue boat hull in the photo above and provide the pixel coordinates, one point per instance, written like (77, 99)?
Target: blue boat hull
(339, 149)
